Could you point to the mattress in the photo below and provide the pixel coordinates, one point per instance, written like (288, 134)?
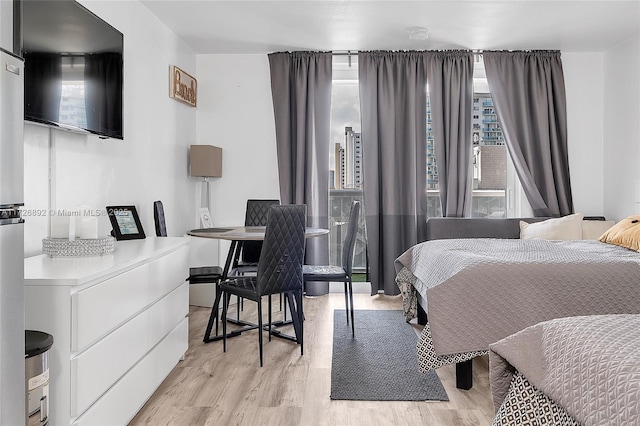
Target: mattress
(479, 291)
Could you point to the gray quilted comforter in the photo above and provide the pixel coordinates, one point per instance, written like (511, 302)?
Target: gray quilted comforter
(588, 365)
(479, 291)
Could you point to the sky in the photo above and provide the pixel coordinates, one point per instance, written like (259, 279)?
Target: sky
(345, 112)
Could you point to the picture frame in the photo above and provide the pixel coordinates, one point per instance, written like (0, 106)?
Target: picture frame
(183, 87)
(205, 218)
(125, 223)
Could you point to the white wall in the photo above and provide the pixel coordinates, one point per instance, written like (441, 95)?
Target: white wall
(583, 73)
(235, 112)
(622, 130)
(151, 163)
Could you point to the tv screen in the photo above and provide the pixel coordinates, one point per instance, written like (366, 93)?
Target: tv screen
(73, 73)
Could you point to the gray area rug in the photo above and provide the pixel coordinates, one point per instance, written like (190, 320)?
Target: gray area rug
(380, 363)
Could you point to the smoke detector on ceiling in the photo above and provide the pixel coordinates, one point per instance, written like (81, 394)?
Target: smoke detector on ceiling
(419, 33)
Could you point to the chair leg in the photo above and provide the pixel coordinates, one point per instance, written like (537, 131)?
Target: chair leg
(224, 322)
(227, 301)
(353, 324)
(282, 295)
(260, 327)
(300, 312)
(346, 301)
(238, 307)
(291, 300)
(213, 316)
(269, 318)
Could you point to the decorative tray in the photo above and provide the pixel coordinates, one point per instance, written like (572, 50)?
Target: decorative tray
(63, 247)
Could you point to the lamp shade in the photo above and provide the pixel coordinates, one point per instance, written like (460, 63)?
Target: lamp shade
(205, 161)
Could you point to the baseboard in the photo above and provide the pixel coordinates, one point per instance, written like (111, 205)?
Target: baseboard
(359, 287)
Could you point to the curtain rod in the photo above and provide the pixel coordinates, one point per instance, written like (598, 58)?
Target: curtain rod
(477, 54)
(355, 52)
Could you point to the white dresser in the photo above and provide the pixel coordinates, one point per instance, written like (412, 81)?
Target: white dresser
(119, 324)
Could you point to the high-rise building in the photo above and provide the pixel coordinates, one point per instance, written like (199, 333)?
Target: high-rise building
(488, 141)
(339, 173)
(348, 161)
(353, 158)
(489, 153)
(486, 128)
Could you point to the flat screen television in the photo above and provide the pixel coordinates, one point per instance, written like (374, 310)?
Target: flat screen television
(73, 74)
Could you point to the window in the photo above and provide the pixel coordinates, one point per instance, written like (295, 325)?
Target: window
(345, 159)
(489, 156)
(492, 169)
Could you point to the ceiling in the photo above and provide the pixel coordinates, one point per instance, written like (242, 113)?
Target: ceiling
(268, 26)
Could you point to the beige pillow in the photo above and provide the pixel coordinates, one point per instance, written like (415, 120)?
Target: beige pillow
(593, 229)
(625, 233)
(562, 228)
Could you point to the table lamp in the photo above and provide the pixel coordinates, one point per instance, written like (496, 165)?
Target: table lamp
(205, 161)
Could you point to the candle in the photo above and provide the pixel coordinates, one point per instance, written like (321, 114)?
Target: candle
(87, 227)
(86, 223)
(60, 226)
(72, 224)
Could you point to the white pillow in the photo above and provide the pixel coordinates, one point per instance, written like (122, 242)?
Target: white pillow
(562, 228)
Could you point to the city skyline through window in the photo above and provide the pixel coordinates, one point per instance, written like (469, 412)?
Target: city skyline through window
(345, 156)
(489, 155)
(345, 119)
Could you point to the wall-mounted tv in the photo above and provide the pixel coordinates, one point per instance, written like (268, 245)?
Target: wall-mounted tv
(73, 74)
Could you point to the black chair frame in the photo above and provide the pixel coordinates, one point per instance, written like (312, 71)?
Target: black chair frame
(279, 271)
(337, 273)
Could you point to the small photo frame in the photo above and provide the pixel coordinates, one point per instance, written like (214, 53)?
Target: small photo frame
(205, 218)
(125, 223)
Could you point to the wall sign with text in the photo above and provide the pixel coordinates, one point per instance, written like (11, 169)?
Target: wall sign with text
(183, 87)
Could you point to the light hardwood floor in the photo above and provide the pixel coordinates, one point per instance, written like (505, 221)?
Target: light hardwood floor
(214, 388)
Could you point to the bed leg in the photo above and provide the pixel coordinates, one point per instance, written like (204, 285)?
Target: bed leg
(464, 375)
(422, 315)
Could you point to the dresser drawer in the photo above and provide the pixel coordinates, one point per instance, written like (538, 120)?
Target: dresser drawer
(167, 273)
(103, 307)
(167, 313)
(120, 404)
(94, 371)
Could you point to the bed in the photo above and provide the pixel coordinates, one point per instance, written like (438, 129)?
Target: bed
(478, 283)
(569, 371)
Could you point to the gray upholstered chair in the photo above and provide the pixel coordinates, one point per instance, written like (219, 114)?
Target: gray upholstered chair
(340, 273)
(279, 270)
(256, 214)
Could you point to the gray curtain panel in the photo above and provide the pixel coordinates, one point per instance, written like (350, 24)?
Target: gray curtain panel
(301, 90)
(451, 95)
(394, 120)
(529, 96)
